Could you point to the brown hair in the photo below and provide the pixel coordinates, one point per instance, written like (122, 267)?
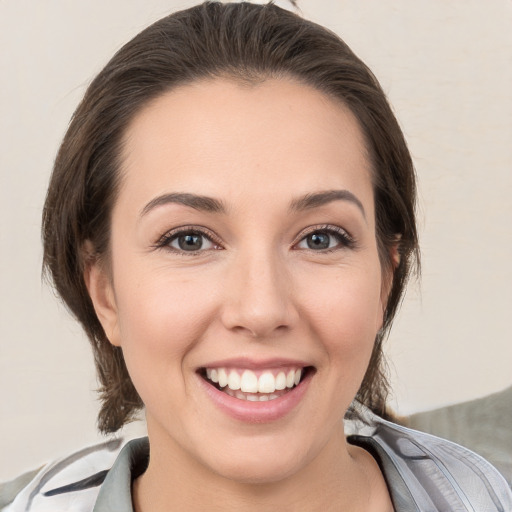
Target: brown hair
(244, 42)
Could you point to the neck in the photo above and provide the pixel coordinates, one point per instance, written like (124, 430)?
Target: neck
(341, 477)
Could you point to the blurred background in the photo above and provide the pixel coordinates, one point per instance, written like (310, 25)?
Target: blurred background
(447, 69)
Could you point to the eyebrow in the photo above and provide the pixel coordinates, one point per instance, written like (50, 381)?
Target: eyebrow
(210, 204)
(202, 203)
(314, 200)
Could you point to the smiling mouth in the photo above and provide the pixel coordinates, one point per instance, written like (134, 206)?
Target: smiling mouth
(255, 386)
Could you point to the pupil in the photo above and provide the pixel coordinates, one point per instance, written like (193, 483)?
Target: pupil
(190, 242)
(318, 241)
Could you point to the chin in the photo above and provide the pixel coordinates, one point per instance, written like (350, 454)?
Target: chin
(260, 464)
(258, 471)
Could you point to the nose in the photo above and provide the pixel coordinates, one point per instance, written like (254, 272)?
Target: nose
(259, 297)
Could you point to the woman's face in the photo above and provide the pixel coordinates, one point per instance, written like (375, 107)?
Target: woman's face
(243, 250)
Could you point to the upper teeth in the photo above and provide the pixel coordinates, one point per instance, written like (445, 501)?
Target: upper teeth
(249, 382)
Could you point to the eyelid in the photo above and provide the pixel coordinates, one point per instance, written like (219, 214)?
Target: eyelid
(347, 239)
(164, 241)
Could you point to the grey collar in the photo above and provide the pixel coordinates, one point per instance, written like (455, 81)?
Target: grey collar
(116, 491)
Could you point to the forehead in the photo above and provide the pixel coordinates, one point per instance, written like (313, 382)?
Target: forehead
(221, 137)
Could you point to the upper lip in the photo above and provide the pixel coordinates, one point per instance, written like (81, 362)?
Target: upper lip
(255, 364)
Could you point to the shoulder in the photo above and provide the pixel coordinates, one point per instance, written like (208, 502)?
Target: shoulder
(431, 472)
(71, 483)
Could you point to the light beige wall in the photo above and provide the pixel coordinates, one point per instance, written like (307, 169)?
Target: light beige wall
(447, 68)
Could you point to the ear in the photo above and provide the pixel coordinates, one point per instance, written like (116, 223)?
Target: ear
(389, 271)
(395, 252)
(99, 285)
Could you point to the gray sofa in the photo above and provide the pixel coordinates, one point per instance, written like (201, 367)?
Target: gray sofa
(483, 425)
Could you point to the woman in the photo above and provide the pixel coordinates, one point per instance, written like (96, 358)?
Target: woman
(231, 219)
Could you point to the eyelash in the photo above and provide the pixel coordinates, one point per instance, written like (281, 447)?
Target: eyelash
(164, 242)
(344, 239)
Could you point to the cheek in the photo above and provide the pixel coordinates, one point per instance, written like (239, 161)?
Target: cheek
(160, 323)
(160, 318)
(346, 311)
(161, 314)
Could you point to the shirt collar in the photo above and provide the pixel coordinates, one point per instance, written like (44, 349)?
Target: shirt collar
(116, 491)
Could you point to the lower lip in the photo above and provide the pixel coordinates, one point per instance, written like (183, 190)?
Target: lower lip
(257, 412)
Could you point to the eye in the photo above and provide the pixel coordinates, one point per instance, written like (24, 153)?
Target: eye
(191, 242)
(326, 239)
(187, 240)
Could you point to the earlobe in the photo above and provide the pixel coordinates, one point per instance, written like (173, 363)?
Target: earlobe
(99, 285)
(395, 253)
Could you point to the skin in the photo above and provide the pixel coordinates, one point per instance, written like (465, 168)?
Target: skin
(257, 290)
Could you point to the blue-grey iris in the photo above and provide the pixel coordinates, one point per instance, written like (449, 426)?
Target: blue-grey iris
(190, 242)
(318, 241)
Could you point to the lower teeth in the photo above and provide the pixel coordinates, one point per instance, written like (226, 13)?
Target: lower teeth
(254, 397)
